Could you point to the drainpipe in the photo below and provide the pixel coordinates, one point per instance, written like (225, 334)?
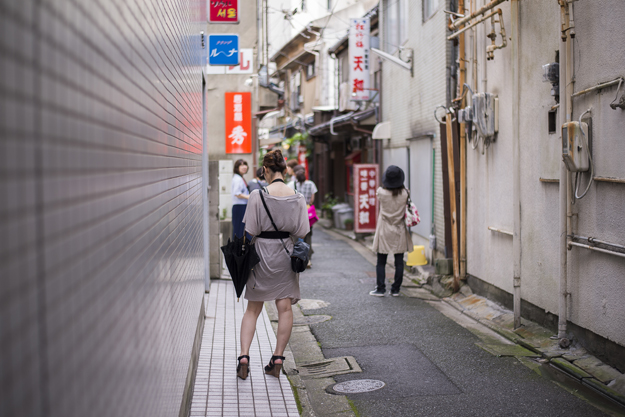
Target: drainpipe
(565, 107)
(516, 172)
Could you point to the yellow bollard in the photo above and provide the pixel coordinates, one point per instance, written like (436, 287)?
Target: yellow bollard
(417, 256)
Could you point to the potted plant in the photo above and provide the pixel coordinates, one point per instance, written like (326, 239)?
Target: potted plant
(326, 206)
(349, 224)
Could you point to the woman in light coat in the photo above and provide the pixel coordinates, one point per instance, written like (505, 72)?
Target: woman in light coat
(391, 233)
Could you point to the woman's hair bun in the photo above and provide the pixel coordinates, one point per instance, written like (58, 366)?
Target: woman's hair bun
(275, 161)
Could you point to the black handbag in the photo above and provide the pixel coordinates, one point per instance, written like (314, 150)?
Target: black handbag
(301, 249)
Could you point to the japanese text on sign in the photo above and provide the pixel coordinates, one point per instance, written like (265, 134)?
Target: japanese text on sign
(238, 123)
(223, 11)
(365, 198)
(359, 78)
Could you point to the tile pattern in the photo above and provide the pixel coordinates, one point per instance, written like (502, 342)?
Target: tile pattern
(100, 206)
(218, 391)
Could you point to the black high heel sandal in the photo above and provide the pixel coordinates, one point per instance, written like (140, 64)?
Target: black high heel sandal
(243, 369)
(274, 368)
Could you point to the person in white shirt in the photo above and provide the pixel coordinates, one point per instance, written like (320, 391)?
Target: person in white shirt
(240, 195)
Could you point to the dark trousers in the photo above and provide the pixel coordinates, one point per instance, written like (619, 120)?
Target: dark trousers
(238, 227)
(380, 270)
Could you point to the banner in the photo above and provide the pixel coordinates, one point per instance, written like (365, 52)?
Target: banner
(359, 78)
(366, 179)
(246, 64)
(238, 122)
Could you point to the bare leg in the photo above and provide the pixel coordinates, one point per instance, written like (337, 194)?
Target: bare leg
(285, 324)
(248, 326)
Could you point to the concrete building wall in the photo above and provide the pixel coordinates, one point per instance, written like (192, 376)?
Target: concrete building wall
(100, 206)
(595, 280)
(216, 87)
(409, 102)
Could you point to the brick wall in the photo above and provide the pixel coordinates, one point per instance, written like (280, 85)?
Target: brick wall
(100, 206)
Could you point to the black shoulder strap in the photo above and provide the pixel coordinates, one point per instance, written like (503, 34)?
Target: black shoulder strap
(271, 218)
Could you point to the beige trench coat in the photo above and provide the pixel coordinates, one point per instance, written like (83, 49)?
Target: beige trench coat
(391, 233)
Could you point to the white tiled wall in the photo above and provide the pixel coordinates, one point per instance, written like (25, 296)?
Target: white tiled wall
(100, 208)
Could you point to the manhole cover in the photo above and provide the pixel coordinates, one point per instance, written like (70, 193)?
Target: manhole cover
(357, 386)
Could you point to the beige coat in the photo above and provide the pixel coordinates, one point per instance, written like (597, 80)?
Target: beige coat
(391, 233)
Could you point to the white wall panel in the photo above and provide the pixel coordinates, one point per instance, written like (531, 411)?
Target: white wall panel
(100, 206)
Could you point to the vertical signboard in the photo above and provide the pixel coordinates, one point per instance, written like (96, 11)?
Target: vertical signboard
(238, 122)
(359, 78)
(365, 198)
(223, 11)
(301, 158)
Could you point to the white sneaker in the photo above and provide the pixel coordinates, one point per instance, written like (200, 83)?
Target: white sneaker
(376, 293)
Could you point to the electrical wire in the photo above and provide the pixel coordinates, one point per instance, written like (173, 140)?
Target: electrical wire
(592, 166)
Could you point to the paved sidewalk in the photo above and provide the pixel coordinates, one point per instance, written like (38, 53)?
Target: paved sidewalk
(218, 391)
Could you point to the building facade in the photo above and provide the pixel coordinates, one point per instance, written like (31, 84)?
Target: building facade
(527, 151)
(101, 207)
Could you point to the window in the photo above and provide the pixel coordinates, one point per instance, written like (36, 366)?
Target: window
(310, 70)
(429, 8)
(396, 23)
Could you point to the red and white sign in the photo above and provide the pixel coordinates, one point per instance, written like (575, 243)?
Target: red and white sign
(246, 65)
(365, 199)
(223, 11)
(359, 78)
(238, 122)
(301, 159)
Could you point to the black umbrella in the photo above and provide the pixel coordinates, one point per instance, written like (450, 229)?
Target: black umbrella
(240, 257)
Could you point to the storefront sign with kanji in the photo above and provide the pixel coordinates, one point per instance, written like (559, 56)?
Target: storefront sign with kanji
(238, 122)
(223, 11)
(365, 198)
(359, 78)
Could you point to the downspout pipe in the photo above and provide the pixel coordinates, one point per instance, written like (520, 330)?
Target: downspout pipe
(564, 180)
(516, 174)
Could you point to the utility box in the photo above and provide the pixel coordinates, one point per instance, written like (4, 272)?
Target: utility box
(335, 214)
(444, 266)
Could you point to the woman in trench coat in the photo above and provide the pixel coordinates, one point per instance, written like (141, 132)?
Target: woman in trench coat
(391, 233)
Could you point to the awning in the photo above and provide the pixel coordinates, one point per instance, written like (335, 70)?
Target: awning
(345, 119)
(382, 131)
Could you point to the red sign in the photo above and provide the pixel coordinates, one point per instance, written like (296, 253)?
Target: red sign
(301, 159)
(223, 11)
(238, 122)
(365, 198)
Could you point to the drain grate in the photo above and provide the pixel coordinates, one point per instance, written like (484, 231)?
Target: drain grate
(329, 367)
(356, 386)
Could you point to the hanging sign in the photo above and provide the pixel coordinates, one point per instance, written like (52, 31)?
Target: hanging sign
(238, 122)
(365, 198)
(223, 49)
(223, 11)
(359, 78)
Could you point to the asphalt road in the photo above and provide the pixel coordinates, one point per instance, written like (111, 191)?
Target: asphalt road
(430, 365)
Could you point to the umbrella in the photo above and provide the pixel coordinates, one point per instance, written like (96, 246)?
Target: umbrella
(240, 257)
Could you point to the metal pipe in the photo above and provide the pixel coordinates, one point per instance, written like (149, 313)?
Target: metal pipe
(516, 171)
(477, 22)
(505, 232)
(611, 179)
(456, 24)
(609, 252)
(563, 187)
(598, 87)
(595, 240)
